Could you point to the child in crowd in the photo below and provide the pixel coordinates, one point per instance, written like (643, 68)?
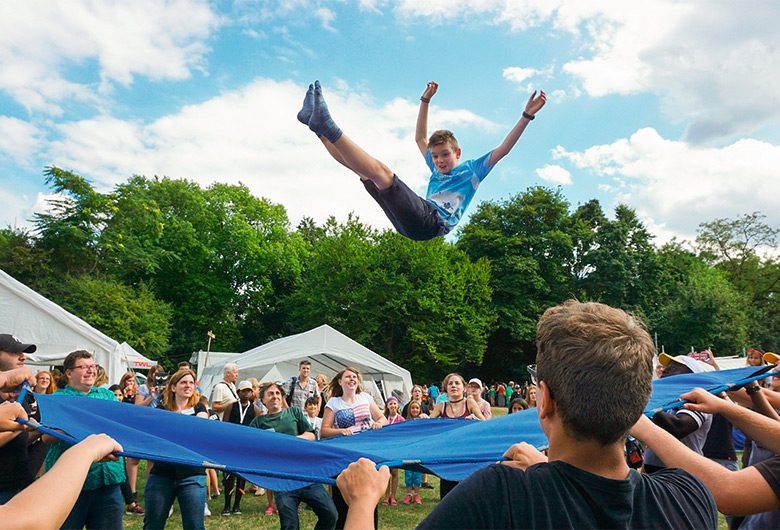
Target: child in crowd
(517, 404)
(413, 479)
(452, 184)
(212, 482)
(242, 412)
(393, 415)
(312, 410)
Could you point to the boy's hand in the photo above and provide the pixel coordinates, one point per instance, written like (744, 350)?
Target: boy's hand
(430, 89)
(523, 456)
(702, 401)
(361, 481)
(535, 103)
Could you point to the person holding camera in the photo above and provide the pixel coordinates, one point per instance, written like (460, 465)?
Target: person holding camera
(148, 394)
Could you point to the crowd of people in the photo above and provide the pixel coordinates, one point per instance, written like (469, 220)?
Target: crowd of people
(690, 461)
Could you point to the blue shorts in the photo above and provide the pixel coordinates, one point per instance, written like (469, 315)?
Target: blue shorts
(411, 215)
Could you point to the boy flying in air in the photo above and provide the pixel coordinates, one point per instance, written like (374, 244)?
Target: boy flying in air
(452, 184)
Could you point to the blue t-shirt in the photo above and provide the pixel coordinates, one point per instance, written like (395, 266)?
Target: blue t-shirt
(451, 193)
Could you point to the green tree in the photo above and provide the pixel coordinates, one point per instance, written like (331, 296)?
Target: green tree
(126, 314)
(735, 246)
(705, 312)
(219, 256)
(529, 244)
(22, 259)
(617, 263)
(424, 306)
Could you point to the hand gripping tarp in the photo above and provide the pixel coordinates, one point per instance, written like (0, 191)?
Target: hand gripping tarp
(449, 448)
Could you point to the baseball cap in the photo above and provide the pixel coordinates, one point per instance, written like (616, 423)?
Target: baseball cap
(695, 366)
(771, 357)
(475, 381)
(10, 344)
(245, 384)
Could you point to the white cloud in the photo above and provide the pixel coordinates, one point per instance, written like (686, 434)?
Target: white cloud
(555, 174)
(326, 17)
(714, 64)
(674, 185)
(518, 74)
(40, 39)
(19, 139)
(251, 136)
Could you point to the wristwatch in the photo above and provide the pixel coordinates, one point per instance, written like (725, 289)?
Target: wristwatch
(752, 390)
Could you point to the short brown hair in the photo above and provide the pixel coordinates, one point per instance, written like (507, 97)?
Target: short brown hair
(266, 386)
(597, 362)
(443, 136)
(70, 361)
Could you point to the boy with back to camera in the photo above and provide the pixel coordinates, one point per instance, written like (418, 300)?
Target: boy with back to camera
(452, 184)
(593, 375)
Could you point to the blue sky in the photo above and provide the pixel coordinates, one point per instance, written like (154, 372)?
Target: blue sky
(670, 107)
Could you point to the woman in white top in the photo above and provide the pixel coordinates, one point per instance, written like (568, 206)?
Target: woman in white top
(349, 411)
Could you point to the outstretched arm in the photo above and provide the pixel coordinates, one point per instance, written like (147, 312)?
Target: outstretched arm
(765, 430)
(421, 133)
(60, 486)
(736, 492)
(534, 105)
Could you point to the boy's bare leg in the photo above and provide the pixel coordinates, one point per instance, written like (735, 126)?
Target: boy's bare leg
(337, 156)
(341, 147)
(365, 165)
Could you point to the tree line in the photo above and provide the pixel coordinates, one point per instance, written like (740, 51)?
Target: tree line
(158, 262)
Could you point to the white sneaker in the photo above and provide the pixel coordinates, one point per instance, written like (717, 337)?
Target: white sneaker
(206, 511)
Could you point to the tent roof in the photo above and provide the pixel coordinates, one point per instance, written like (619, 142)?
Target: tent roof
(328, 350)
(56, 332)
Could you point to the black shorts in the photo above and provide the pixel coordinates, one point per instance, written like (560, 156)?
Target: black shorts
(411, 215)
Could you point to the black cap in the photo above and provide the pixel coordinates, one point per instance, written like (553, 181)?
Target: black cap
(10, 344)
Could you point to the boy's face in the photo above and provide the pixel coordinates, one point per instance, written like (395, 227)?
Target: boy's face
(445, 157)
(311, 410)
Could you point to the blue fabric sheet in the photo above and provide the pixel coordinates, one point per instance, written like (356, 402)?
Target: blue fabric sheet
(449, 448)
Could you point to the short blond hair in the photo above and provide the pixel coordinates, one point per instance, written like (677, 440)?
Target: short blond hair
(441, 137)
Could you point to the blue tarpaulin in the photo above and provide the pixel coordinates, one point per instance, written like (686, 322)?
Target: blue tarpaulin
(449, 448)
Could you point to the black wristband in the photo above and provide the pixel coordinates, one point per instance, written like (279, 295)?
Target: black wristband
(752, 390)
(528, 116)
(425, 100)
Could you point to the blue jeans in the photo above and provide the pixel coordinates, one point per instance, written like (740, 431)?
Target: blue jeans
(159, 495)
(316, 497)
(100, 508)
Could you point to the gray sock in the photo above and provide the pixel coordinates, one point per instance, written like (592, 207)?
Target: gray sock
(321, 122)
(304, 115)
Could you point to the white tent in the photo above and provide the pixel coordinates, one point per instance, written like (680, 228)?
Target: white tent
(203, 359)
(328, 351)
(35, 319)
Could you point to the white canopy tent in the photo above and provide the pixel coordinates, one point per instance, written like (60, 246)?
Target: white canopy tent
(328, 350)
(35, 319)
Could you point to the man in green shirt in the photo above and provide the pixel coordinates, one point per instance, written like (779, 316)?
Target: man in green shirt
(100, 503)
(292, 421)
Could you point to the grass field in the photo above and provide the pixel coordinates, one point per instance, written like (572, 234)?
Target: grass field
(402, 517)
